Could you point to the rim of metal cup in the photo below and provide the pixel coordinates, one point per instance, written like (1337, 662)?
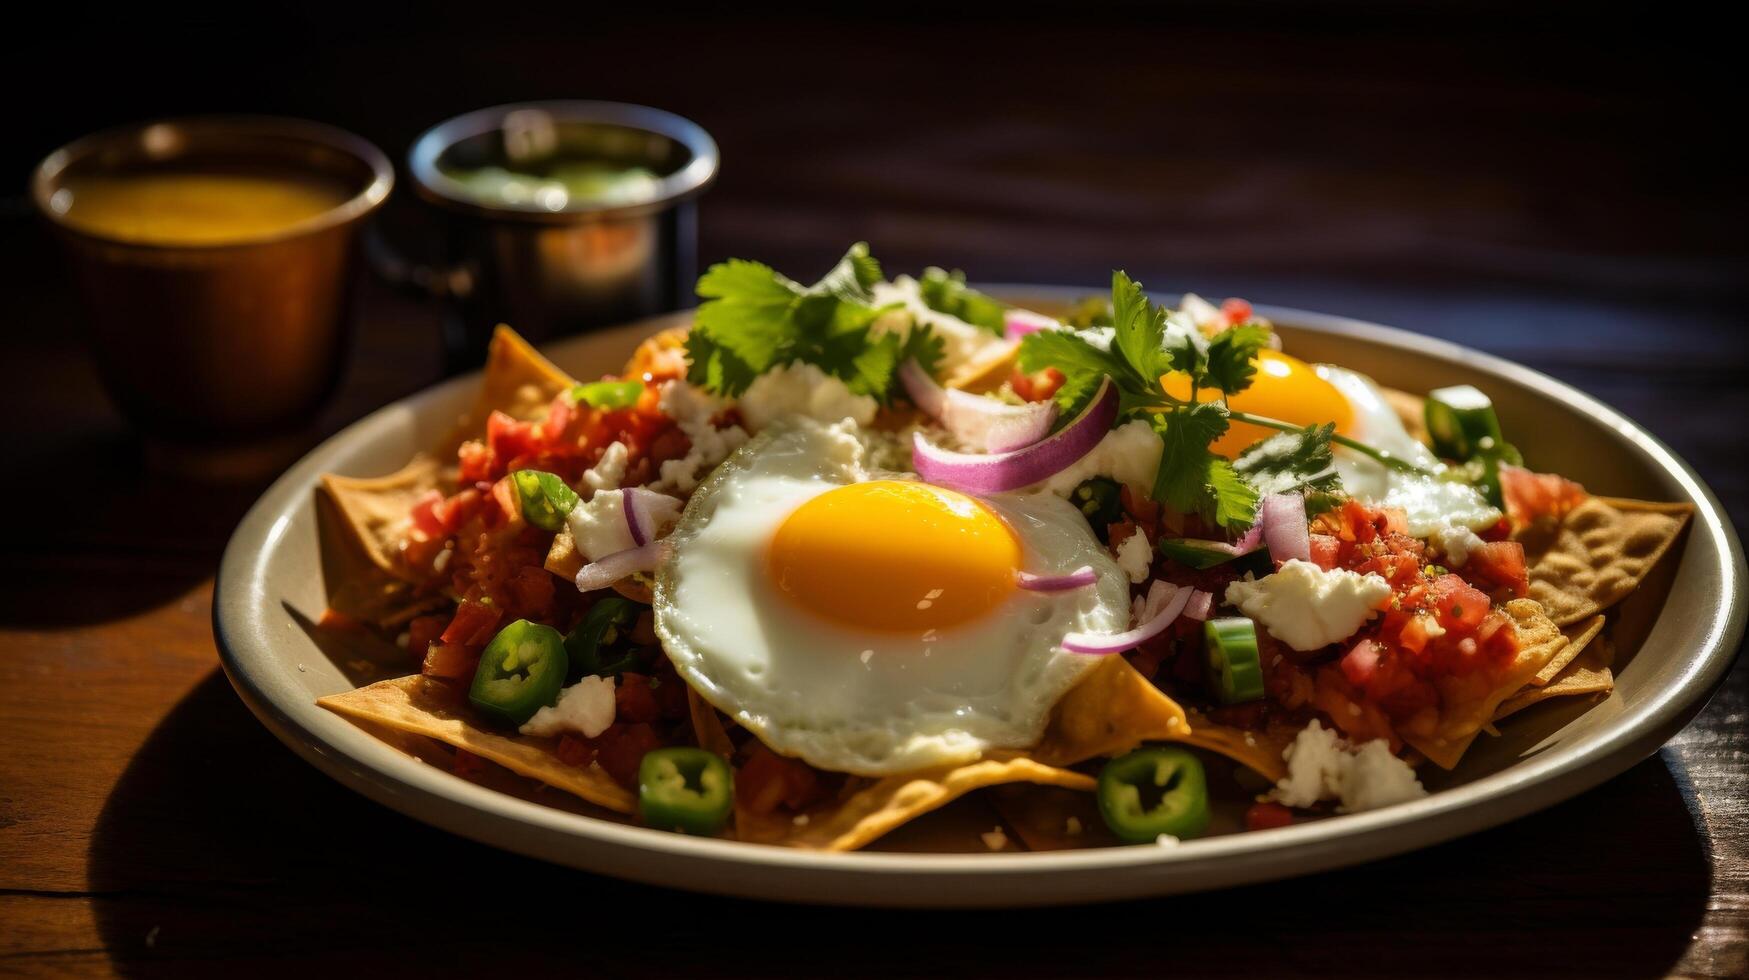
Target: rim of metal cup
(157, 141)
(689, 181)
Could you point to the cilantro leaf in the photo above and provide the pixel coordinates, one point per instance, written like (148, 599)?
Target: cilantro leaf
(1083, 366)
(1230, 356)
(608, 394)
(1295, 462)
(1193, 480)
(924, 347)
(1140, 327)
(947, 292)
(853, 276)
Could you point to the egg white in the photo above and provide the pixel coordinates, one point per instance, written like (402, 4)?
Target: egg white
(1428, 502)
(869, 703)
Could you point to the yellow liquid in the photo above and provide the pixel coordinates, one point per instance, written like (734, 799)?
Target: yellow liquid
(196, 208)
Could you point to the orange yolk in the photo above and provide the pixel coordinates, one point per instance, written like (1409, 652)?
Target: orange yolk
(895, 556)
(1284, 388)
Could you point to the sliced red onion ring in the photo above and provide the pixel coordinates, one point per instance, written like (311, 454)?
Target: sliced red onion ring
(1019, 323)
(611, 568)
(1200, 605)
(997, 472)
(1083, 576)
(636, 501)
(974, 419)
(1102, 644)
(1283, 519)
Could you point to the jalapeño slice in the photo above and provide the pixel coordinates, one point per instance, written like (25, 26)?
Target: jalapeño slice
(1154, 791)
(603, 625)
(685, 789)
(1234, 672)
(520, 672)
(544, 497)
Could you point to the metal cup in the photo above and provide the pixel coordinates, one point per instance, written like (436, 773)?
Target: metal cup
(555, 267)
(204, 345)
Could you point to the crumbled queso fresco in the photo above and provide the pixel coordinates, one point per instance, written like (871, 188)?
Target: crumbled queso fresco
(586, 707)
(692, 410)
(598, 525)
(1307, 607)
(805, 390)
(1135, 556)
(1129, 454)
(1322, 765)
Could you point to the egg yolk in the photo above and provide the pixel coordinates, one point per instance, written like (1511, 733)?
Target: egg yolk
(895, 556)
(1284, 388)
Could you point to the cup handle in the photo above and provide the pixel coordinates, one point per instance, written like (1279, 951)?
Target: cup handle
(413, 278)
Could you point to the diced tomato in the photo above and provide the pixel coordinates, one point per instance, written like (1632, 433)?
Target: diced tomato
(422, 632)
(476, 461)
(559, 416)
(1324, 549)
(1268, 816)
(451, 660)
(425, 519)
(633, 700)
(1531, 497)
(509, 438)
(622, 747)
(767, 780)
(1413, 634)
(473, 625)
(1036, 387)
(668, 444)
(574, 751)
(1143, 509)
(1360, 663)
(1236, 311)
(1500, 565)
(1458, 606)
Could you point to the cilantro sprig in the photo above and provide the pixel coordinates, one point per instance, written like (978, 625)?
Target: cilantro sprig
(947, 292)
(755, 319)
(1192, 478)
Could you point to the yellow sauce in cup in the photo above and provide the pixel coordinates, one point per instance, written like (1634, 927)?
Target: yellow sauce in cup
(193, 207)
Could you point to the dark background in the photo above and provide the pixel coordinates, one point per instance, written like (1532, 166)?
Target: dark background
(1559, 184)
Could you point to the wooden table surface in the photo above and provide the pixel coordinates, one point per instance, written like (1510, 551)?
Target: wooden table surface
(1469, 182)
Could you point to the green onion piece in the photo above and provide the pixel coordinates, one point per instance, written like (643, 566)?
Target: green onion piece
(1235, 672)
(520, 672)
(544, 497)
(1462, 422)
(608, 394)
(1154, 791)
(685, 789)
(603, 626)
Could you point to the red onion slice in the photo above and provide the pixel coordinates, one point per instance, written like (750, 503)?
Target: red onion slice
(997, 472)
(974, 419)
(1283, 519)
(1083, 576)
(1103, 644)
(612, 568)
(1200, 605)
(1019, 323)
(636, 501)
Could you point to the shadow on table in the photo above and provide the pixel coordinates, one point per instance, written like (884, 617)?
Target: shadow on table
(218, 849)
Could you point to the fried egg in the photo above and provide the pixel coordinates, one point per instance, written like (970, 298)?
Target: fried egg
(1291, 390)
(869, 623)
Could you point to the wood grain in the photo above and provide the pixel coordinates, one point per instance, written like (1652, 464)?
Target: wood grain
(1485, 177)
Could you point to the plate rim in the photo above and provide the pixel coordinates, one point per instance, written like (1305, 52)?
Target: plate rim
(382, 773)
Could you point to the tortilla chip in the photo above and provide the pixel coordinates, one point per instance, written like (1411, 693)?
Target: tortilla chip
(986, 372)
(1578, 638)
(661, 354)
(1260, 751)
(872, 809)
(1468, 705)
(359, 523)
(1112, 710)
(1598, 553)
(563, 558)
(1587, 674)
(706, 726)
(1050, 818)
(518, 382)
(428, 707)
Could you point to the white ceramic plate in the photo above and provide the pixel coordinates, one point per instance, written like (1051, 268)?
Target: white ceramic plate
(1680, 632)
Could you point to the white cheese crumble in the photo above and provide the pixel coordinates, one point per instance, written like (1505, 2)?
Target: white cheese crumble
(1135, 557)
(1200, 310)
(1129, 454)
(961, 341)
(802, 389)
(586, 707)
(1167, 840)
(1306, 607)
(995, 839)
(1322, 765)
(598, 525)
(607, 471)
(1455, 543)
(692, 410)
